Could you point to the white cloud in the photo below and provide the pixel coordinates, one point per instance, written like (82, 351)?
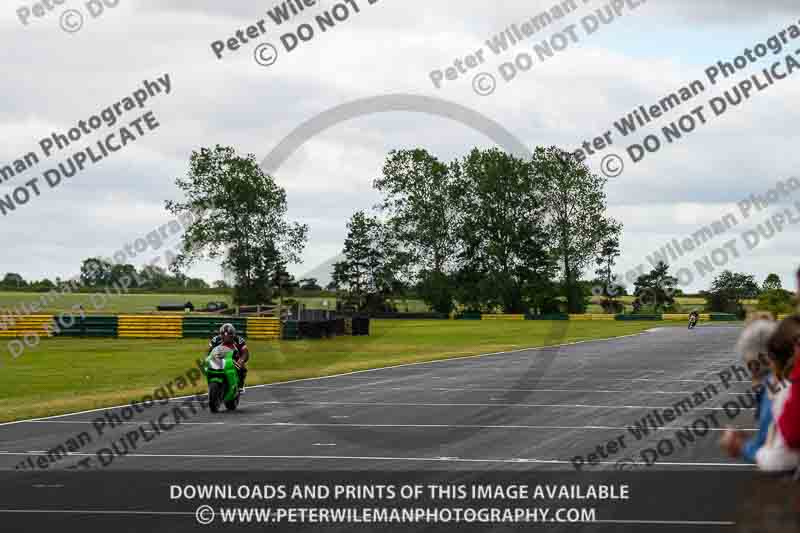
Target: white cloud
(55, 79)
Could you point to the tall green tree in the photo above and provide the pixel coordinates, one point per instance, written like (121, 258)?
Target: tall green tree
(420, 201)
(13, 280)
(656, 288)
(96, 272)
(372, 263)
(773, 282)
(729, 289)
(240, 216)
(606, 259)
(576, 215)
(504, 258)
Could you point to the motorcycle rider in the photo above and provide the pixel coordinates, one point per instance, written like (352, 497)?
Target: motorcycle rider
(694, 316)
(227, 337)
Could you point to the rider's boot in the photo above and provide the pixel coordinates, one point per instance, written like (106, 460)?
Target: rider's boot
(242, 377)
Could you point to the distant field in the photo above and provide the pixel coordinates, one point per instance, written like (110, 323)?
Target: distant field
(146, 303)
(125, 303)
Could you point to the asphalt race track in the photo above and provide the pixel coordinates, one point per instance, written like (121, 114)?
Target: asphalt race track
(472, 413)
(524, 413)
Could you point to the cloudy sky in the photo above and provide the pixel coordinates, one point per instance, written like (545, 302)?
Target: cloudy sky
(55, 78)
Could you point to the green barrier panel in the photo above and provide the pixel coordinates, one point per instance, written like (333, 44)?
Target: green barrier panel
(88, 326)
(290, 330)
(468, 316)
(204, 327)
(723, 317)
(551, 316)
(638, 317)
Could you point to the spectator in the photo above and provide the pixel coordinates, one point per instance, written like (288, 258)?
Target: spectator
(781, 451)
(797, 293)
(753, 347)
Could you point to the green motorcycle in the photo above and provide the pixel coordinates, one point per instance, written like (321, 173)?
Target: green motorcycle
(223, 379)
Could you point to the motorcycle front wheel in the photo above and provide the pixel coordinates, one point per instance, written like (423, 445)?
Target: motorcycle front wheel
(215, 392)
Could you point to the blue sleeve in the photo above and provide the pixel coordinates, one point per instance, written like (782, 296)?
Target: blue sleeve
(752, 446)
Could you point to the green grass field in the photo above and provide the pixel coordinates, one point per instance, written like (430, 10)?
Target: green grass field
(66, 375)
(147, 303)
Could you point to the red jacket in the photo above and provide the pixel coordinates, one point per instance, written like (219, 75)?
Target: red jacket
(789, 421)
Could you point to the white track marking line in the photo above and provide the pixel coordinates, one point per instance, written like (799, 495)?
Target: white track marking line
(380, 458)
(438, 361)
(410, 426)
(568, 390)
(90, 512)
(556, 405)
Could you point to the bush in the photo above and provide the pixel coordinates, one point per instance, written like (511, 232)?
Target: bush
(776, 301)
(612, 306)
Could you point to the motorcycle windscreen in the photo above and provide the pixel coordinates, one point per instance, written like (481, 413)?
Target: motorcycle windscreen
(216, 359)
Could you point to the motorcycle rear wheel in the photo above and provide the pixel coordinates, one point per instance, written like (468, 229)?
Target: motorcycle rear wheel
(233, 404)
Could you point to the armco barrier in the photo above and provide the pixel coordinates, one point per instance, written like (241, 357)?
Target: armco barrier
(723, 317)
(150, 326)
(502, 317)
(684, 316)
(204, 327)
(637, 317)
(263, 328)
(592, 317)
(551, 316)
(28, 325)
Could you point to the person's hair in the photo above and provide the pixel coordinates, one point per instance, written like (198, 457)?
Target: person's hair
(758, 315)
(783, 342)
(753, 343)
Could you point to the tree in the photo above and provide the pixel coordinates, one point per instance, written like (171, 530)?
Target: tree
(656, 288)
(309, 284)
(239, 214)
(221, 284)
(372, 263)
(13, 281)
(119, 272)
(420, 200)
(195, 283)
(504, 259)
(96, 272)
(577, 220)
(728, 289)
(607, 285)
(154, 277)
(776, 301)
(773, 282)
(606, 259)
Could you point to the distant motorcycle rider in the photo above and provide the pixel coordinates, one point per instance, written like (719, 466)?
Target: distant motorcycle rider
(694, 317)
(227, 337)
